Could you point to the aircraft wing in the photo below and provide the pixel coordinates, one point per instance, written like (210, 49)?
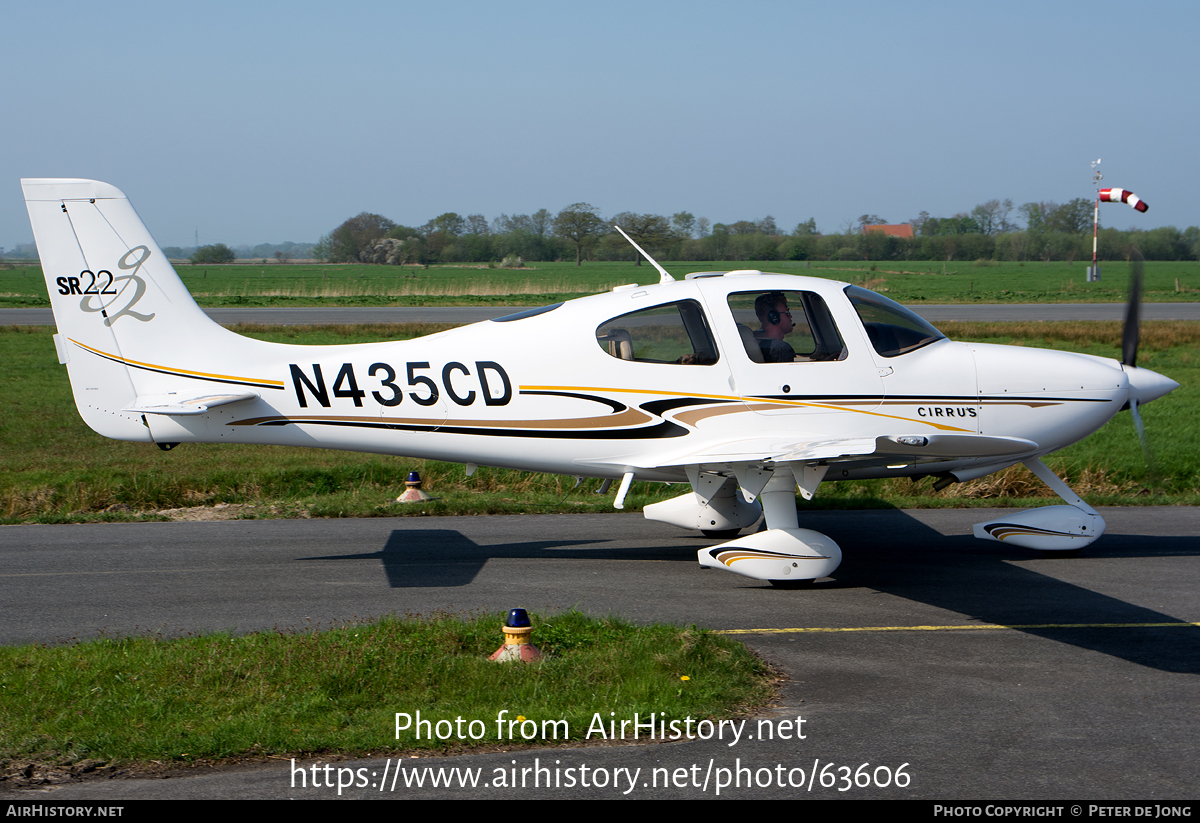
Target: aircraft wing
(174, 404)
(897, 448)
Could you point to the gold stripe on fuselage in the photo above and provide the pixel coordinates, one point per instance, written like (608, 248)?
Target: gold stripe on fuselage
(225, 378)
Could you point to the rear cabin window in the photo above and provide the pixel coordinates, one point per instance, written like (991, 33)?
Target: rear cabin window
(786, 327)
(675, 333)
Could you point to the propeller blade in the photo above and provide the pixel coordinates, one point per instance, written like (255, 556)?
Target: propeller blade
(1147, 454)
(1133, 312)
(1141, 429)
(1129, 347)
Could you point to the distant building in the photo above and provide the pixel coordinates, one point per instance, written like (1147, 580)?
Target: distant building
(895, 230)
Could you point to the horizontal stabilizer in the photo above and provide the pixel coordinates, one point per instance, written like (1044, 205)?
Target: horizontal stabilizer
(174, 404)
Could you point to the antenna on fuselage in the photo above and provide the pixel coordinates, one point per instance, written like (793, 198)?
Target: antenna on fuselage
(663, 277)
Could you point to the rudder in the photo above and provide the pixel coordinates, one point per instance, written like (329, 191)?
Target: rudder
(116, 298)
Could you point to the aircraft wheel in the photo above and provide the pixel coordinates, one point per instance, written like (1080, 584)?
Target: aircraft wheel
(721, 534)
(792, 584)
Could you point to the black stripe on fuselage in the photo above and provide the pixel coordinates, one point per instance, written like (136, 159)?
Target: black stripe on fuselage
(615, 405)
(661, 430)
(659, 407)
(923, 398)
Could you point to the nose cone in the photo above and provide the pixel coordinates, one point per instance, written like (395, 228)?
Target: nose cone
(1146, 385)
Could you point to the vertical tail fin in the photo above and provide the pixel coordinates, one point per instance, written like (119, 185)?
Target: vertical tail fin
(118, 303)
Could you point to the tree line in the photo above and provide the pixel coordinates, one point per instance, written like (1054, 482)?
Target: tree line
(221, 253)
(1050, 231)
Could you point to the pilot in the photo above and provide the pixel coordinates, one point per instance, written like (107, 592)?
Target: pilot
(776, 320)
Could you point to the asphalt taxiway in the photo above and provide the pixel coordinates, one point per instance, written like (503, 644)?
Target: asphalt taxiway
(991, 671)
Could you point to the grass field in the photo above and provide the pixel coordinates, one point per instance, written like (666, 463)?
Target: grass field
(54, 469)
(289, 284)
(148, 701)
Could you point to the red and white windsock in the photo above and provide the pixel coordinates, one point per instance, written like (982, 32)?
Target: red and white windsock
(1122, 196)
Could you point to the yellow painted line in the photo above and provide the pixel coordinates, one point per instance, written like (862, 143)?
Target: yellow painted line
(970, 627)
(173, 370)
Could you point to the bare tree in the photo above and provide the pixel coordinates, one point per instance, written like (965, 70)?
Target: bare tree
(1037, 214)
(992, 216)
(806, 229)
(541, 222)
(645, 229)
(477, 224)
(684, 223)
(581, 224)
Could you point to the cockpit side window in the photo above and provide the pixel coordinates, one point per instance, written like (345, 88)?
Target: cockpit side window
(786, 327)
(676, 333)
(893, 329)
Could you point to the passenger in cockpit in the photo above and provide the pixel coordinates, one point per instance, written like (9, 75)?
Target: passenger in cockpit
(776, 320)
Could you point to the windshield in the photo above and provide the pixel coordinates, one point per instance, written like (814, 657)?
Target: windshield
(893, 329)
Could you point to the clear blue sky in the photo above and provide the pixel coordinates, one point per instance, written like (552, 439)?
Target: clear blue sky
(270, 121)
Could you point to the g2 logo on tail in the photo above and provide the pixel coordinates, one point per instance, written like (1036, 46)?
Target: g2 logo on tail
(103, 284)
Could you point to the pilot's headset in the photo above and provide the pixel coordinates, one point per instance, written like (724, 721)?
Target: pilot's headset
(764, 306)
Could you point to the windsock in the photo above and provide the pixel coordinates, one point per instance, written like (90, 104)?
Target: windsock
(1123, 196)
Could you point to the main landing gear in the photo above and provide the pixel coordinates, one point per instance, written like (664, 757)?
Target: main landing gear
(784, 554)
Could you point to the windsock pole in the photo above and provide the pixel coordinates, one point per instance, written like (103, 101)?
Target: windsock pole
(1094, 274)
(1107, 196)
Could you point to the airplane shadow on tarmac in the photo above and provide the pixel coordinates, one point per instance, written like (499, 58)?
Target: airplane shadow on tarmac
(436, 558)
(991, 582)
(894, 553)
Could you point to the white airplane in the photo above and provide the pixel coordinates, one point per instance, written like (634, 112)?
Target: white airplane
(744, 385)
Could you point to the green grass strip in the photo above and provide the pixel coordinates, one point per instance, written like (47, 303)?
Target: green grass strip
(323, 284)
(148, 698)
